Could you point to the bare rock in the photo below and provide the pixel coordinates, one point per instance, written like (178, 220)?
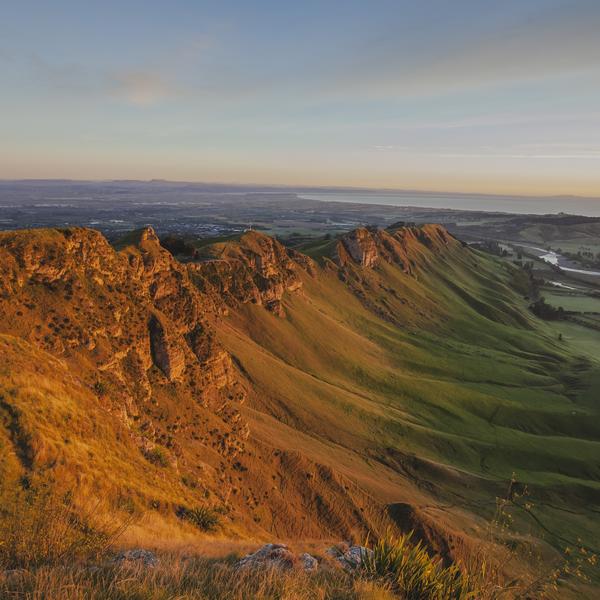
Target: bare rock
(278, 556)
(350, 557)
(361, 246)
(309, 562)
(270, 555)
(167, 354)
(137, 556)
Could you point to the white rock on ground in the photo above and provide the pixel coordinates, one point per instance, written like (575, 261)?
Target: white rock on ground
(279, 556)
(351, 558)
(137, 556)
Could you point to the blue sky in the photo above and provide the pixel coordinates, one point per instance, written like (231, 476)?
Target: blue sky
(435, 95)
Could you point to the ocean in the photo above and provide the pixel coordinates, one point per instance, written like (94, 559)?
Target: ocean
(511, 204)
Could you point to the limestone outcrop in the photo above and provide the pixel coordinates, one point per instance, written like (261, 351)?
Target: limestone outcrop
(404, 246)
(257, 269)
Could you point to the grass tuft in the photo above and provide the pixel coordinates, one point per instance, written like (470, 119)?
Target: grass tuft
(410, 572)
(158, 456)
(39, 526)
(203, 517)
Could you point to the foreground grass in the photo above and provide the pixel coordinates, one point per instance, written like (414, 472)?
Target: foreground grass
(396, 572)
(52, 548)
(186, 578)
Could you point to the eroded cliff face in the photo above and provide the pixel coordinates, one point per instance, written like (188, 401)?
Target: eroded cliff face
(404, 246)
(359, 246)
(69, 292)
(257, 269)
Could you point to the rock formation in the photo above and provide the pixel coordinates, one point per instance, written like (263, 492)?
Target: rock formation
(404, 246)
(137, 337)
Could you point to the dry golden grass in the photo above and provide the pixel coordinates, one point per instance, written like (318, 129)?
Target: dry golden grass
(176, 577)
(40, 526)
(52, 548)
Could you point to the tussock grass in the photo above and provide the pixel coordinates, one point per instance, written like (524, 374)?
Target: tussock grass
(413, 574)
(181, 578)
(158, 456)
(40, 526)
(204, 518)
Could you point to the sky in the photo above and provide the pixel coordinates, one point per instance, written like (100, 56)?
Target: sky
(461, 95)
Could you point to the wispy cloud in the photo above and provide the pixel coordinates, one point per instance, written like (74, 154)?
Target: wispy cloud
(520, 151)
(163, 79)
(141, 88)
(517, 156)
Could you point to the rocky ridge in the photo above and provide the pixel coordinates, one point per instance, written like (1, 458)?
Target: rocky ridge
(258, 269)
(137, 330)
(403, 246)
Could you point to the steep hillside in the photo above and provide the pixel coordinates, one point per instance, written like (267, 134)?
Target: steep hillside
(135, 397)
(399, 378)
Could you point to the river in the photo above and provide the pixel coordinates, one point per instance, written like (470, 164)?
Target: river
(553, 258)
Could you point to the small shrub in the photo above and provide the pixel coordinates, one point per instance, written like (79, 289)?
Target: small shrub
(546, 311)
(189, 482)
(203, 517)
(158, 456)
(100, 388)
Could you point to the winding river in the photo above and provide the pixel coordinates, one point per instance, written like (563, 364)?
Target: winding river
(555, 259)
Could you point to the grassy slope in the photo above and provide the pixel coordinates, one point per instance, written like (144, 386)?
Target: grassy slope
(465, 378)
(565, 236)
(47, 412)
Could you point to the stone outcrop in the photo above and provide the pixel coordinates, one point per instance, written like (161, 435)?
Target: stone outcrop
(167, 352)
(278, 556)
(360, 246)
(404, 246)
(135, 314)
(257, 269)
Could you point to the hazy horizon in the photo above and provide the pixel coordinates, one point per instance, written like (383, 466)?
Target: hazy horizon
(290, 186)
(175, 191)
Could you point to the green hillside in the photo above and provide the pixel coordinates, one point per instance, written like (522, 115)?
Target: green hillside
(465, 377)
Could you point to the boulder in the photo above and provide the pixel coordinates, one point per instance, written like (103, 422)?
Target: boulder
(270, 555)
(309, 563)
(350, 557)
(278, 556)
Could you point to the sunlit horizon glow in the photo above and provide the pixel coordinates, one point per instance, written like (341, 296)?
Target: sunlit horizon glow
(498, 98)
